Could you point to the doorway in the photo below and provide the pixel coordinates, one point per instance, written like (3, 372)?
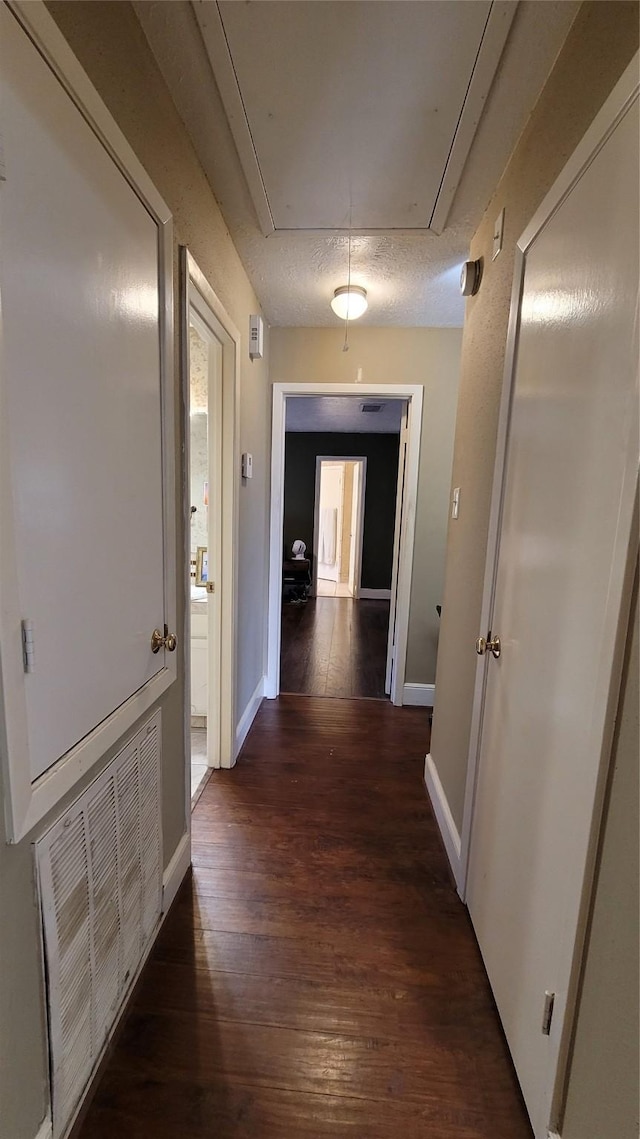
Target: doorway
(396, 540)
(338, 526)
(210, 366)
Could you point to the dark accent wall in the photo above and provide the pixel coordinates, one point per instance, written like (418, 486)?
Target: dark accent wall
(381, 452)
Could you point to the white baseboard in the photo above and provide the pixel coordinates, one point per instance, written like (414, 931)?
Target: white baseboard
(175, 872)
(45, 1131)
(444, 818)
(249, 714)
(419, 695)
(375, 594)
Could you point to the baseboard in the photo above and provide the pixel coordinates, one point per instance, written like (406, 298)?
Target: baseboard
(45, 1131)
(175, 872)
(249, 714)
(444, 818)
(419, 695)
(375, 594)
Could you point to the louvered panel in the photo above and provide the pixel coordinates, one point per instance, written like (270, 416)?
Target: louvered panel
(150, 832)
(130, 867)
(100, 879)
(69, 974)
(105, 917)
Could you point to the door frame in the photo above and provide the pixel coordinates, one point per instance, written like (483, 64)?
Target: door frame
(621, 583)
(27, 802)
(413, 394)
(397, 534)
(361, 460)
(196, 293)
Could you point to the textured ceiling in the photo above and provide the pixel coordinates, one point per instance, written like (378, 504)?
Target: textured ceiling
(343, 413)
(412, 280)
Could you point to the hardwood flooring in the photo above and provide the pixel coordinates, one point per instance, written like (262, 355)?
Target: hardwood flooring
(318, 977)
(334, 646)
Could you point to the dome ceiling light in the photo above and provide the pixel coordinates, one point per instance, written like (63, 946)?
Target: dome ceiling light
(349, 302)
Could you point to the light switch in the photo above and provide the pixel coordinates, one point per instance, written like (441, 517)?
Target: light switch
(455, 503)
(247, 465)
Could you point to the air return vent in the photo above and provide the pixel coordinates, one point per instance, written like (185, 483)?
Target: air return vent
(100, 881)
(371, 407)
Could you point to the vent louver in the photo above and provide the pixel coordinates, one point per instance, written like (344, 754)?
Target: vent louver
(100, 882)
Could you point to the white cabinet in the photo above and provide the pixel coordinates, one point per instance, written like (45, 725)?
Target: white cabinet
(199, 663)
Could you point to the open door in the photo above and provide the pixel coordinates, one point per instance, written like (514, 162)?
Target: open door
(393, 605)
(212, 381)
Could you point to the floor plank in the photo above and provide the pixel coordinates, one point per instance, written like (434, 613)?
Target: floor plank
(318, 977)
(335, 647)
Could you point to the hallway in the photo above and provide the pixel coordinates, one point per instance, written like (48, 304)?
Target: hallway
(335, 646)
(318, 978)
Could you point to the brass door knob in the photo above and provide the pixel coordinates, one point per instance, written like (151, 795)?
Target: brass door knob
(492, 645)
(164, 640)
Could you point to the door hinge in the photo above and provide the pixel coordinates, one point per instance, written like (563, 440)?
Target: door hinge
(28, 646)
(547, 1016)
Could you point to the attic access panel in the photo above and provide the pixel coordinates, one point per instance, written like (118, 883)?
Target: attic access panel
(354, 114)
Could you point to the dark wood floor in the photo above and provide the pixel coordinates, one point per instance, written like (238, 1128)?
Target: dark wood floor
(318, 978)
(334, 646)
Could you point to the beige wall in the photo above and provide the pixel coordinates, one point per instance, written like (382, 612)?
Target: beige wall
(604, 1086)
(427, 356)
(599, 46)
(109, 43)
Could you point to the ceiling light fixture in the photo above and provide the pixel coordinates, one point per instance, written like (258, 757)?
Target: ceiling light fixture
(349, 302)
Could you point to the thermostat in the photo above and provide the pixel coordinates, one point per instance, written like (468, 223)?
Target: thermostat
(247, 465)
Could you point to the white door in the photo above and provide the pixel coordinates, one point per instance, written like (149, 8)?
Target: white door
(397, 534)
(566, 523)
(356, 534)
(206, 488)
(81, 278)
(330, 520)
(215, 394)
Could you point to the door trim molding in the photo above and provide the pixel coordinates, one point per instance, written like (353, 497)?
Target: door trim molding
(413, 394)
(193, 280)
(26, 802)
(605, 122)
